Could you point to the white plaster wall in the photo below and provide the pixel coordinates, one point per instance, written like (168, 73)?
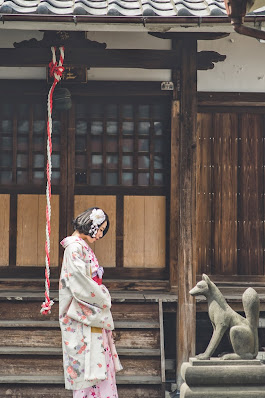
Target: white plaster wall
(243, 70)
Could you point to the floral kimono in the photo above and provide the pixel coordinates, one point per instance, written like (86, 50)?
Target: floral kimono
(89, 353)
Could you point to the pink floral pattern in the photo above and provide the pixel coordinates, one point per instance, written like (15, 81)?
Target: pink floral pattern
(106, 388)
(84, 304)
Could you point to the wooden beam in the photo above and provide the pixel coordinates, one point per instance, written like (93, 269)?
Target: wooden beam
(93, 88)
(186, 326)
(189, 35)
(100, 58)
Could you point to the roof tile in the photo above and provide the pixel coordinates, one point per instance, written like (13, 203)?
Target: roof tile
(199, 8)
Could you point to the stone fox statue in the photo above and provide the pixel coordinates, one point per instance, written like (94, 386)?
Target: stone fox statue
(243, 331)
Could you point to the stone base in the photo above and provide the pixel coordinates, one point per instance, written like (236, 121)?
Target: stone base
(217, 378)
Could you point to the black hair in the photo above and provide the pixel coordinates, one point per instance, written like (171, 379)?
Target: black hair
(82, 223)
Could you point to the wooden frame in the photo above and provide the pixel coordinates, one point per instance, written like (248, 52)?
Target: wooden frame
(67, 187)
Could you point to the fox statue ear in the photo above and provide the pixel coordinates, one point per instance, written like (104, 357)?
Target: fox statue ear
(206, 279)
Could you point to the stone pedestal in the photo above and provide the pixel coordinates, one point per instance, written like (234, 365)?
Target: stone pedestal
(223, 379)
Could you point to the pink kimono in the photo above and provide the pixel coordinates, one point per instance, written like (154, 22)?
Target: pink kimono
(89, 353)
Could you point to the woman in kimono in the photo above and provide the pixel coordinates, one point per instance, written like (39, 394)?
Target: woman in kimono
(89, 355)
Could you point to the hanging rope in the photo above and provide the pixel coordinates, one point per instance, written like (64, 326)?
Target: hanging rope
(56, 71)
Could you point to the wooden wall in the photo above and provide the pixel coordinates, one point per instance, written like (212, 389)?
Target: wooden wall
(144, 231)
(31, 213)
(4, 230)
(230, 193)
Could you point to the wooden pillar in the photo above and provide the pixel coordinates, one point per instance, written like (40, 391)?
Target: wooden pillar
(186, 269)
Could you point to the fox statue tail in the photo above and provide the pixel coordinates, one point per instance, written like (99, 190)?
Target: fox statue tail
(250, 300)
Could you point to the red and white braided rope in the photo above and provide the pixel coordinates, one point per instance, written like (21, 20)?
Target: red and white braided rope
(56, 71)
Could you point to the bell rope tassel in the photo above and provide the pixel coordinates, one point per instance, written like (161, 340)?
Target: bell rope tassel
(56, 71)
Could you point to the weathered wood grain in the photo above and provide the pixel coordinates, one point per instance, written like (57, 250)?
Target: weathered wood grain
(4, 230)
(105, 250)
(144, 231)
(44, 391)
(148, 59)
(225, 158)
(113, 285)
(52, 366)
(31, 215)
(204, 192)
(25, 337)
(251, 206)
(187, 231)
(16, 310)
(174, 194)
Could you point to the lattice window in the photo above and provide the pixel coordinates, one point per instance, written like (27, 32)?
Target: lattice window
(121, 144)
(23, 144)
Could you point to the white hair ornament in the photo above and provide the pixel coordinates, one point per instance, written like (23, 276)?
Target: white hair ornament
(97, 217)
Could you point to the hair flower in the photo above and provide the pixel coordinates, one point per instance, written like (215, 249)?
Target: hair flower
(97, 216)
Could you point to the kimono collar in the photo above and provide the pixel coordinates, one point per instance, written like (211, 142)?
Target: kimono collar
(71, 239)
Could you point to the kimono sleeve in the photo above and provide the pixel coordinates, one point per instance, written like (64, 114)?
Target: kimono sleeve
(82, 286)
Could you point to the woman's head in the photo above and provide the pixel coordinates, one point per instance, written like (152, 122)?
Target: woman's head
(93, 223)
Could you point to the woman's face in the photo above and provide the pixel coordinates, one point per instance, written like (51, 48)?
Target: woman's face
(99, 233)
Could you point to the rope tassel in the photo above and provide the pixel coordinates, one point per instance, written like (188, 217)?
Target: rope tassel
(56, 71)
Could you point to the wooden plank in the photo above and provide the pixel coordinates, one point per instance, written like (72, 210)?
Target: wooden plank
(108, 58)
(36, 391)
(70, 166)
(187, 231)
(232, 99)
(134, 227)
(55, 324)
(57, 391)
(174, 194)
(44, 338)
(120, 311)
(25, 379)
(63, 187)
(12, 232)
(53, 366)
(54, 351)
(119, 218)
(204, 193)
(144, 217)
(113, 285)
(4, 230)
(31, 230)
(105, 249)
(154, 231)
(27, 227)
(162, 342)
(251, 210)
(225, 193)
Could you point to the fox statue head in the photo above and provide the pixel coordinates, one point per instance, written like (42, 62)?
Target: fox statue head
(202, 287)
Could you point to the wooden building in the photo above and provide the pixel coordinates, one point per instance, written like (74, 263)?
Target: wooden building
(180, 172)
